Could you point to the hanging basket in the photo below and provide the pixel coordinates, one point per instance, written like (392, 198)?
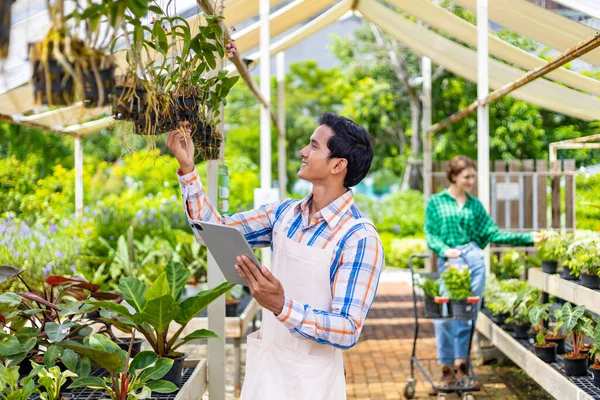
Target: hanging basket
(52, 85)
(98, 84)
(207, 142)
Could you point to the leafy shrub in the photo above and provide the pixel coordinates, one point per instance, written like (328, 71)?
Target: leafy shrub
(509, 265)
(399, 251)
(457, 281)
(587, 204)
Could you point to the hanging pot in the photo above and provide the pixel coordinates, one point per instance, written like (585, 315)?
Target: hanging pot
(590, 281)
(568, 275)
(549, 267)
(546, 352)
(59, 90)
(575, 365)
(92, 85)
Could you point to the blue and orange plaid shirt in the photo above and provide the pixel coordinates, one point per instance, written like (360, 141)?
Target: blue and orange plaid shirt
(356, 264)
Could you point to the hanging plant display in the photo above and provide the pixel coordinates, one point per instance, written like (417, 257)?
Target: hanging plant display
(173, 78)
(5, 13)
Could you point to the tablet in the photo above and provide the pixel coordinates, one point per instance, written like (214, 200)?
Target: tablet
(225, 244)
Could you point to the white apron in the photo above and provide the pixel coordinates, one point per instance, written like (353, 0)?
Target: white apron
(280, 366)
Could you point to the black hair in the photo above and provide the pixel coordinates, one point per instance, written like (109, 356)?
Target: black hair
(349, 141)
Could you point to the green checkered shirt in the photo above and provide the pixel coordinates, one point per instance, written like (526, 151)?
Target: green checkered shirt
(447, 226)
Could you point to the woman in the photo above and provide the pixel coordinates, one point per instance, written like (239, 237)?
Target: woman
(457, 228)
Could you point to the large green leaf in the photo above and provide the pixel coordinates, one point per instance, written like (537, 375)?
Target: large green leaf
(52, 353)
(177, 277)
(133, 291)
(161, 37)
(162, 387)
(118, 308)
(12, 299)
(84, 367)
(143, 360)
(570, 316)
(9, 345)
(160, 369)
(7, 272)
(159, 288)
(70, 359)
(191, 306)
(110, 361)
(160, 312)
(57, 332)
(200, 334)
(92, 382)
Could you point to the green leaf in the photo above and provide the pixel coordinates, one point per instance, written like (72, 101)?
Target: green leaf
(162, 387)
(156, 10)
(177, 277)
(160, 312)
(161, 37)
(84, 367)
(200, 334)
(57, 332)
(111, 361)
(51, 355)
(101, 342)
(143, 360)
(133, 291)
(9, 345)
(118, 308)
(7, 272)
(92, 382)
(191, 306)
(159, 288)
(69, 358)
(12, 299)
(160, 369)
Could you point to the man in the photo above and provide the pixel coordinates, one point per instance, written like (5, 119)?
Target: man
(326, 263)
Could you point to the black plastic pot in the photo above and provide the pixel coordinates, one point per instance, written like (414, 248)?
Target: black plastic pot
(432, 309)
(587, 352)
(25, 366)
(590, 281)
(91, 86)
(520, 331)
(461, 309)
(547, 353)
(575, 366)
(531, 334)
(549, 267)
(93, 315)
(62, 89)
(231, 307)
(560, 349)
(124, 345)
(568, 275)
(189, 107)
(127, 105)
(596, 375)
(500, 319)
(175, 375)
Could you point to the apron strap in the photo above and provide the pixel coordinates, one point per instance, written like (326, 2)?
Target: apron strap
(289, 214)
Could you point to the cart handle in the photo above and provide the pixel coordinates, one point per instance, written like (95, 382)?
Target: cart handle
(473, 300)
(441, 300)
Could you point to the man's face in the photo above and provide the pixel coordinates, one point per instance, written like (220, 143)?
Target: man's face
(316, 165)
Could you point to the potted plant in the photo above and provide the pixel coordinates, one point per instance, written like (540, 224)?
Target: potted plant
(11, 388)
(431, 290)
(456, 282)
(523, 302)
(595, 367)
(551, 251)
(542, 314)
(543, 349)
(156, 307)
(556, 335)
(577, 326)
(52, 381)
(509, 265)
(584, 260)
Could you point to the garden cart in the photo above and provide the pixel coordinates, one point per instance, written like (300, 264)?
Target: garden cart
(439, 309)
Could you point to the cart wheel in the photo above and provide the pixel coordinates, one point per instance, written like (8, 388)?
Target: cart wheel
(409, 390)
(468, 396)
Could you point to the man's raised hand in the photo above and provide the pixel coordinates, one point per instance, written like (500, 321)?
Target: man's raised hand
(182, 147)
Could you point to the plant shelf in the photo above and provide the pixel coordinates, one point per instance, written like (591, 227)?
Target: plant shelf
(570, 291)
(547, 376)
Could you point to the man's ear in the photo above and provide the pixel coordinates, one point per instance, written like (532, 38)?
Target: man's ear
(341, 165)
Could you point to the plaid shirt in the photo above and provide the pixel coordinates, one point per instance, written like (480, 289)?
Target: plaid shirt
(356, 263)
(447, 226)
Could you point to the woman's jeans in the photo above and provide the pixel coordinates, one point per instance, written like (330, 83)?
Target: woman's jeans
(452, 337)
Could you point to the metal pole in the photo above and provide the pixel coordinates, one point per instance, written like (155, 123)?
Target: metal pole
(483, 114)
(427, 157)
(281, 148)
(216, 309)
(78, 177)
(265, 112)
(575, 52)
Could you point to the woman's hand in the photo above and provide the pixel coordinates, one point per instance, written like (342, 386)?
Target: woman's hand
(182, 147)
(452, 253)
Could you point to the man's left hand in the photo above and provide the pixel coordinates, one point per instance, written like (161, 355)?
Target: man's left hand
(264, 287)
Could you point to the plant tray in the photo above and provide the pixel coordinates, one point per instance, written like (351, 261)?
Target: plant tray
(193, 379)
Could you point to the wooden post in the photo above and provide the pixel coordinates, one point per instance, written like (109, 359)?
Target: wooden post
(514, 166)
(78, 177)
(528, 194)
(555, 172)
(281, 145)
(541, 167)
(500, 166)
(569, 194)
